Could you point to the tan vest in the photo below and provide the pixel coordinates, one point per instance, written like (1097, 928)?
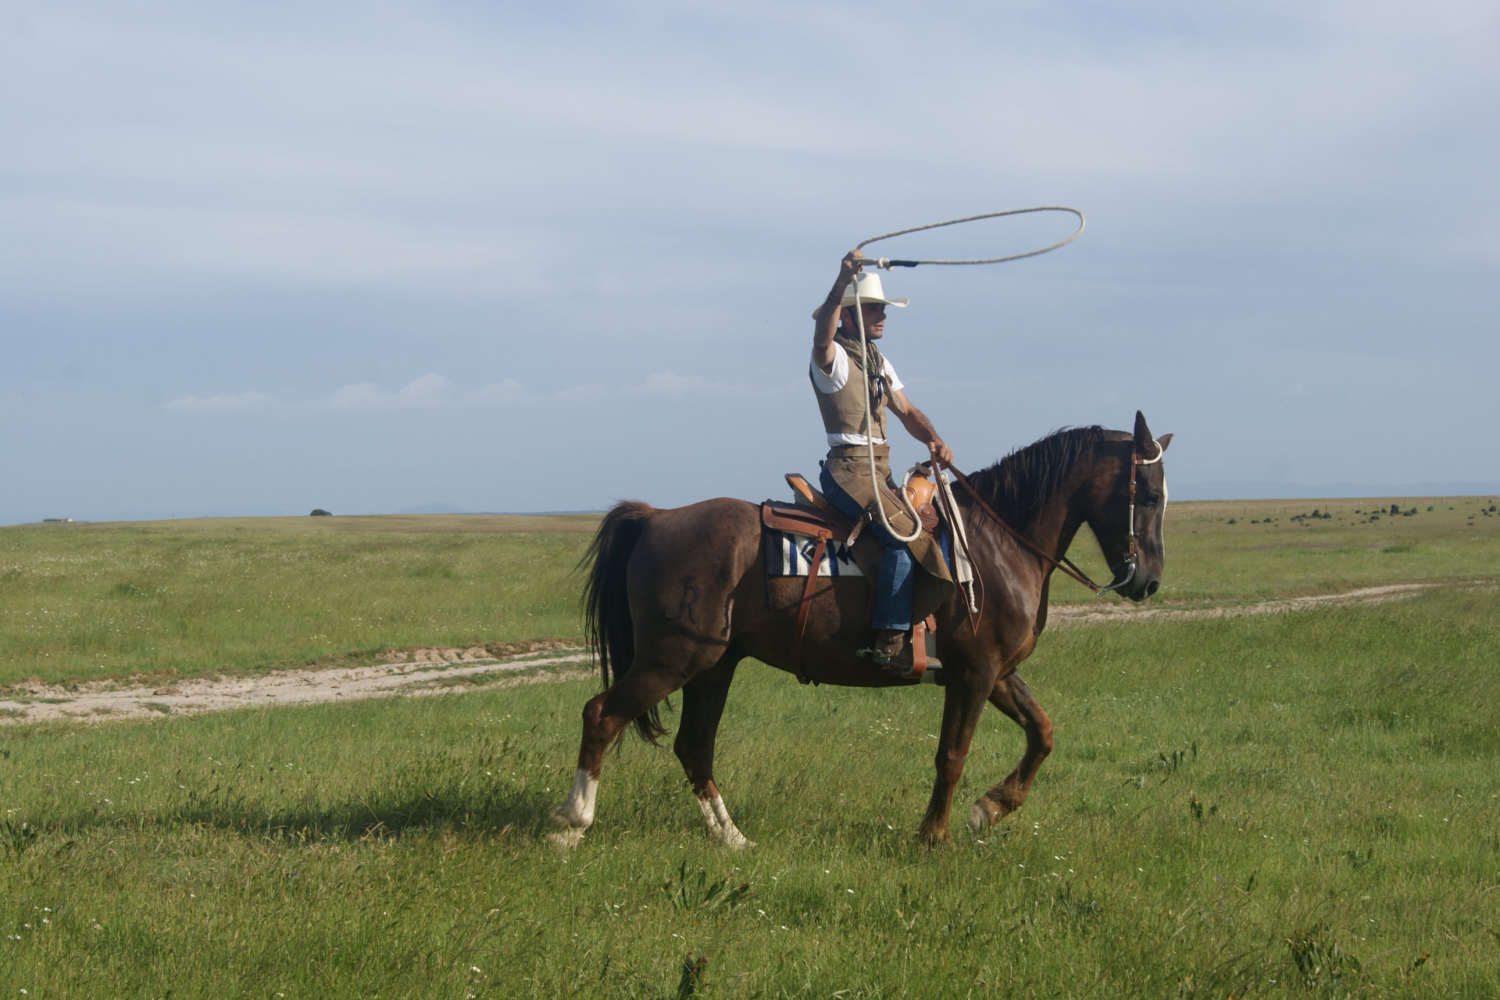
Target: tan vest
(844, 411)
(849, 465)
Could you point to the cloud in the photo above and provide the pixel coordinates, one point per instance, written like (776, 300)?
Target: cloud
(427, 390)
(434, 390)
(507, 390)
(673, 385)
(424, 391)
(360, 395)
(224, 403)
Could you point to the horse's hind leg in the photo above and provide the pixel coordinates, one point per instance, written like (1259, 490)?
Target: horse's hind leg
(660, 667)
(1012, 697)
(702, 706)
(605, 717)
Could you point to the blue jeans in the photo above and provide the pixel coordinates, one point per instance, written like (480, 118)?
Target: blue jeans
(894, 586)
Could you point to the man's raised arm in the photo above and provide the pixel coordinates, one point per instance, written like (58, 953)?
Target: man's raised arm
(826, 322)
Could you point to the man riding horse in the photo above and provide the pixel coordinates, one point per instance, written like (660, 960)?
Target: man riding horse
(855, 385)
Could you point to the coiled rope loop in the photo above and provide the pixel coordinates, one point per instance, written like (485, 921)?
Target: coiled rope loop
(887, 263)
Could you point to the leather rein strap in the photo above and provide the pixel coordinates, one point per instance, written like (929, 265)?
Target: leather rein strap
(1063, 562)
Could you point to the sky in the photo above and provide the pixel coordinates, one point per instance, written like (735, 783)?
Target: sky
(395, 257)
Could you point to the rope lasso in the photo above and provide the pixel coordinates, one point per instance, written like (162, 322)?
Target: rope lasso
(887, 263)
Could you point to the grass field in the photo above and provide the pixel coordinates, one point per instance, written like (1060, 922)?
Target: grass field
(92, 601)
(184, 598)
(1292, 805)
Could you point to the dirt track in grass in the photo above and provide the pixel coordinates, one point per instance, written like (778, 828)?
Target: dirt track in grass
(432, 670)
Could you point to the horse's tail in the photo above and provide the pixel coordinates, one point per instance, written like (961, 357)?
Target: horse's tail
(606, 605)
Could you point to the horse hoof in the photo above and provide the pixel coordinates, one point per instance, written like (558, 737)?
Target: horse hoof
(566, 839)
(982, 815)
(567, 832)
(934, 838)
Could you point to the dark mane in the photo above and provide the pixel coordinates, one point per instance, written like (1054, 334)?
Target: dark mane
(1018, 485)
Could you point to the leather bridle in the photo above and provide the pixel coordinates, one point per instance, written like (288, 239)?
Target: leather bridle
(1132, 554)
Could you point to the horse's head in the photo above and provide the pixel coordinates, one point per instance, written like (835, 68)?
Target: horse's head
(1132, 541)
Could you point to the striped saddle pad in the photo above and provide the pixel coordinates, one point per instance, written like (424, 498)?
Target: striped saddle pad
(789, 554)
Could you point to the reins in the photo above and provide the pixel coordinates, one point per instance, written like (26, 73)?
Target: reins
(1057, 562)
(1132, 555)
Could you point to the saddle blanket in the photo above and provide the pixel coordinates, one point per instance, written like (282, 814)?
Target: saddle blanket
(790, 555)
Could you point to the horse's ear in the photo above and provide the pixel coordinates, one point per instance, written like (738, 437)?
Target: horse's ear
(1144, 440)
(1142, 435)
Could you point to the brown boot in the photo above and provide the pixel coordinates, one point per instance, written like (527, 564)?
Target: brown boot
(886, 652)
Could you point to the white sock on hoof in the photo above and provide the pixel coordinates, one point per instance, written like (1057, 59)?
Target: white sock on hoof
(720, 826)
(577, 810)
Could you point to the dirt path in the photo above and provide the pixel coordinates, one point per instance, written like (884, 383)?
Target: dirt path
(441, 671)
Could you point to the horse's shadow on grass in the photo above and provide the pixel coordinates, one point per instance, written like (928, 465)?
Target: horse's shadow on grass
(458, 808)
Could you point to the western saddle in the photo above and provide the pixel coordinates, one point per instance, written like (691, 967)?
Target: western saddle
(813, 516)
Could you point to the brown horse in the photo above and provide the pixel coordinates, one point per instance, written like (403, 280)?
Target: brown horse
(676, 598)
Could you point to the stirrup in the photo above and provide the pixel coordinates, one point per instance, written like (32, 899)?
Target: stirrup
(895, 659)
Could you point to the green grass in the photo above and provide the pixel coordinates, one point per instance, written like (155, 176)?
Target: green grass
(85, 601)
(88, 601)
(1236, 552)
(1299, 805)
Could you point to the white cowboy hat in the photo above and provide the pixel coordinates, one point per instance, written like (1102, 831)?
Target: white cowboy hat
(868, 286)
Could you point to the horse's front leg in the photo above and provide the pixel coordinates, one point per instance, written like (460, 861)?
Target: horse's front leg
(963, 702)
(702, 707)
(1012, 697)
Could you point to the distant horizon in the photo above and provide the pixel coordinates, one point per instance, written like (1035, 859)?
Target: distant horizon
(1268, 493)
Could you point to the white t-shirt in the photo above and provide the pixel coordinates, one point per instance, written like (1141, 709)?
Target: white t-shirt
(828, 382)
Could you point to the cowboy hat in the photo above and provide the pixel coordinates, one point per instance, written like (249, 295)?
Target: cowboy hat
(869, 289)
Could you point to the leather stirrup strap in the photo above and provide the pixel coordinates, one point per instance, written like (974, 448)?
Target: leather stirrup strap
(805, 605)
(919, 649)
